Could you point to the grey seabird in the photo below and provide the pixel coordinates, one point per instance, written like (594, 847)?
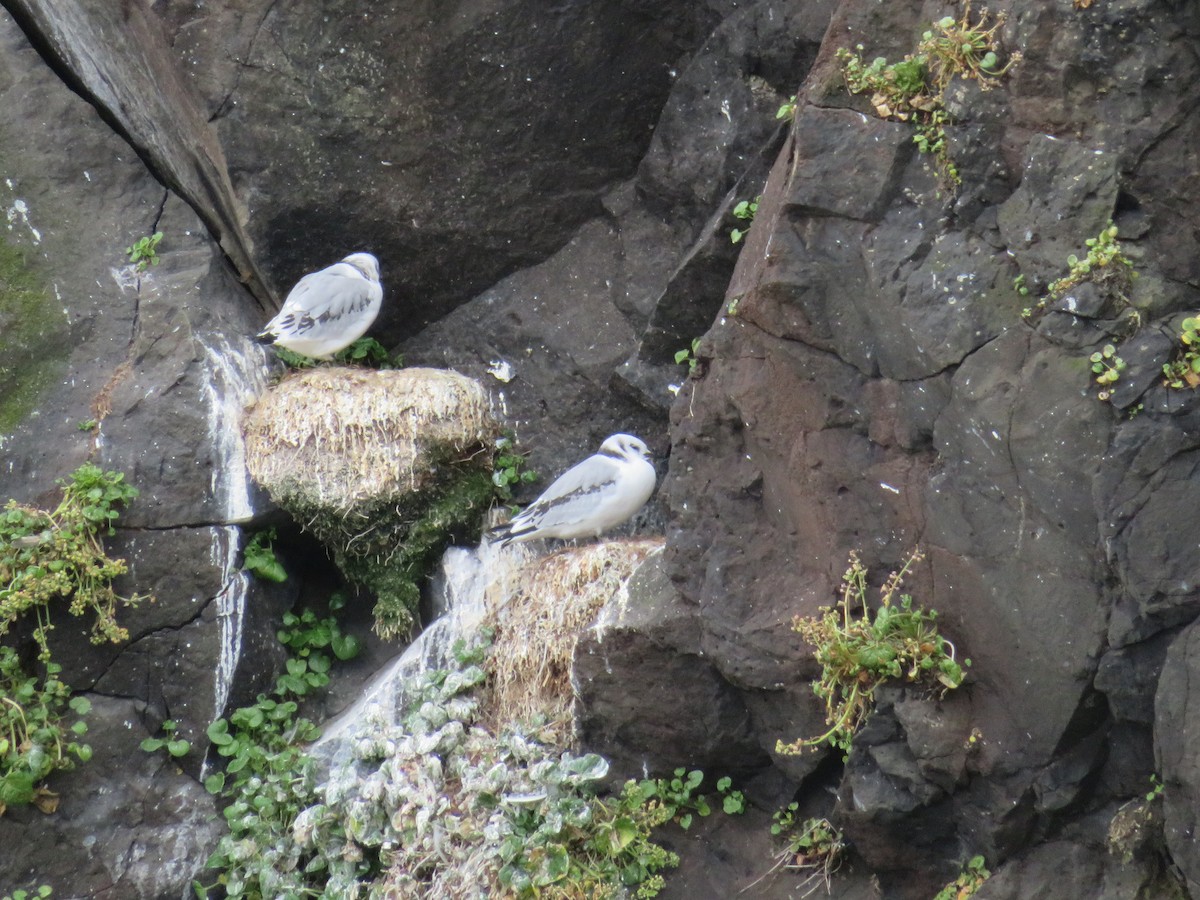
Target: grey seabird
(589, 498)
(328, 310)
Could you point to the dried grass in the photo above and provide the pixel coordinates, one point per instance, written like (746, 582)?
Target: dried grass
(539, 626)
(340, 436)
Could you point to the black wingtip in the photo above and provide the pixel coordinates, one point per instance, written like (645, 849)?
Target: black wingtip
(265, 337)
(501, 534)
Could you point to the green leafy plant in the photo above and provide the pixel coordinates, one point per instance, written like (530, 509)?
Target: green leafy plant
(260, 559)
(1138, 824)
(432, 803)
(1105, 265)
(175, 746)
(688, 357)
(35, 736)
(365, 351)
(144, 252)
(678, 795)
(969, 880)
(733, 803)
(88, 425)
(267, 779)
(368, 352)
(813, 845)
(745, 210)
(788, 109)
(1020, 286)
(20, 894)
(859, 651)
(45, 556)
(1108, 368)
(1184, 370)
(509, 468)
(533, 822)
(912, 90)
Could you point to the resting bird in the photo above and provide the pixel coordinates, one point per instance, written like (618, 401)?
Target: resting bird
(328, 310)
(590, 497)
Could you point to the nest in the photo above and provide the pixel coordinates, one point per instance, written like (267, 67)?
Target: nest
(538, 628)
(337, 437)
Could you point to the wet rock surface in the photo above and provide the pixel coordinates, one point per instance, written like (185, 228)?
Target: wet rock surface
(556, 225)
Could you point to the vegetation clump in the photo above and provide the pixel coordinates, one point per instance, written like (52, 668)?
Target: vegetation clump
(1184, 370)
(913, 89)
(1107, 367)
(859, 649)
(508, 468)
(814, 844)
(44, 557)
(268, 775)
(143, 253)
(437, 805)
(175, 746)
(1104, 265)
(259, 557)
(687, 357)
(384, 468)
(366, 352)
(745, 211)
(969, 880)
(36, 738)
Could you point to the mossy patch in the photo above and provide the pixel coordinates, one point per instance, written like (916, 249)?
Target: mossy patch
(33, 343)
(385, 468)
(388, 546)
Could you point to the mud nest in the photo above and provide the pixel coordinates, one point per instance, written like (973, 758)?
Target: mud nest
(538, 628)
(384, 467)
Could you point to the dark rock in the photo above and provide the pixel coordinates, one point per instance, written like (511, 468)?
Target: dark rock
(130, 823)
(1128, 676)
(721, 112)
(726, 856)
(823, 138)
(1076, 868)
(650, 638)
(474, 150)
(118, 57)
(1177, 752)
(1062, 181)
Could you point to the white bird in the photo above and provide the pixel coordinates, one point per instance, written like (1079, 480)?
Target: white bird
(328, 310)
(590, 497)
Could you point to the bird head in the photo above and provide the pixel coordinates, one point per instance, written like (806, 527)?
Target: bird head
(365, 263)
(625, 446)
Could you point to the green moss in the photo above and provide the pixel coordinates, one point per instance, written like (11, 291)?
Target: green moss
(388, 547)
(32, 338)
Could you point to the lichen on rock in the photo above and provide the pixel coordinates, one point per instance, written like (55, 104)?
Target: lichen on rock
(385, 468)
(32, 351)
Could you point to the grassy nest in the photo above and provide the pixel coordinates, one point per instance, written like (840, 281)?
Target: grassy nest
(384, 467)
(538, 628)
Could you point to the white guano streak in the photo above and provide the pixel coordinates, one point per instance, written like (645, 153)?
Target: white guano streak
(231, 608)
(236, 375)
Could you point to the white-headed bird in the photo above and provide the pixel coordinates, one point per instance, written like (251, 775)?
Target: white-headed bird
(589, 498)
(328, 310)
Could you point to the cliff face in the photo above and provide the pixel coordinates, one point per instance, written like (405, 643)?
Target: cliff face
(550, 194)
